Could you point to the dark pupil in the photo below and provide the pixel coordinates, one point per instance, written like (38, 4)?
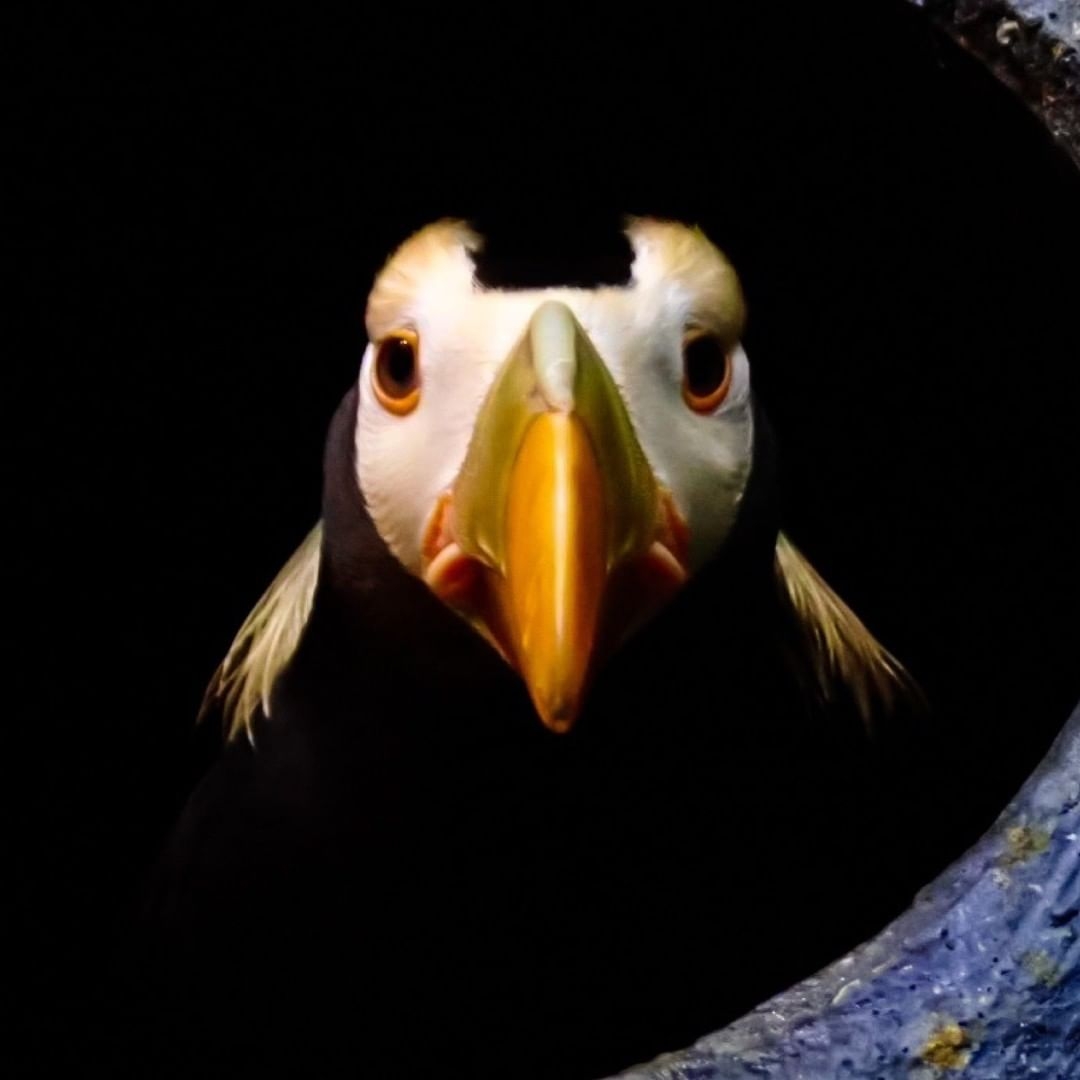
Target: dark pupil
(399, 363)
(705, 364)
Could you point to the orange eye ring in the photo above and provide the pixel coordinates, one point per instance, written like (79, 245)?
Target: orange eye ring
(396, 372)
(708, 368)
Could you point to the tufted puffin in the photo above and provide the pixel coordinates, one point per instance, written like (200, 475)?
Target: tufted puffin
(547, 751)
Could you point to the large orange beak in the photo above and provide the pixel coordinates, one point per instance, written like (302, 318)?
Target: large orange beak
(555, 540)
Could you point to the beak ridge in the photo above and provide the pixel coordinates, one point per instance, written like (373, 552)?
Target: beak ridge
(555, 494)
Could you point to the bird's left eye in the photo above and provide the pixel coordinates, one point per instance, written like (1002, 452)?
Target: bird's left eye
(707, 368)
(396, 377)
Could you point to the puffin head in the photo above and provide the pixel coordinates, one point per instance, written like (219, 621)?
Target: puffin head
(555, 463)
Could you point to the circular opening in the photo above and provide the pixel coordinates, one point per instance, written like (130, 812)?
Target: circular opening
(900, 224)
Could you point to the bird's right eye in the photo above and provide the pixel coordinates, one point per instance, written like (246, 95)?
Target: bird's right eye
(707, 370)
(396, 377)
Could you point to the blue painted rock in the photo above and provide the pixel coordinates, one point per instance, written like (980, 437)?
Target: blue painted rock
(980, 979)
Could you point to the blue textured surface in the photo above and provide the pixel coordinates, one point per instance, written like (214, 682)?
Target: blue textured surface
(979, 979)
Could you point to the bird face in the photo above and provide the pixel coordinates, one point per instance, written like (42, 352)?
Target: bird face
(555, 463)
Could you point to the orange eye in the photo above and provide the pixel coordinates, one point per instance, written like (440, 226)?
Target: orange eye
(397, 372)
(707, 369)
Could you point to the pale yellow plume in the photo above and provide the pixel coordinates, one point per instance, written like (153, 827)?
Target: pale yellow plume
(842, 651)
(266, 642)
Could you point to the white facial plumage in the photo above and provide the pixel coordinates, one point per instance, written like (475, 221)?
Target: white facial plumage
(679, 283)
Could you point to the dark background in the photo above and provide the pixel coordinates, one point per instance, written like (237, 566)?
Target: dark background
(201, 204)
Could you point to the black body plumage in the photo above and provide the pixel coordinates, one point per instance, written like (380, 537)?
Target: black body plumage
(409, 876)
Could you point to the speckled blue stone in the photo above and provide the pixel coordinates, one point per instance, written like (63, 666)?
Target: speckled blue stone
(979, 979)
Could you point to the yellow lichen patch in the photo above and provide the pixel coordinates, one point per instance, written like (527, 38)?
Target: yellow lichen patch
(1040, 967)
(1023, 842)
(947, 1047)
